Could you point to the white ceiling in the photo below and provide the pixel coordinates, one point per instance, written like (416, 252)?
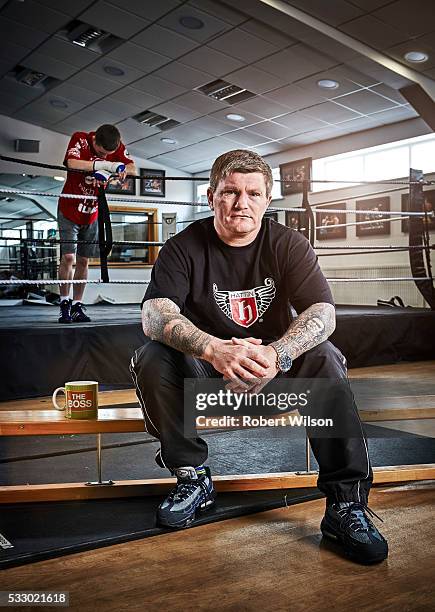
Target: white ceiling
(255, 47)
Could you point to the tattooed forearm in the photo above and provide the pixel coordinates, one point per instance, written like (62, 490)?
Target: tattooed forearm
(162, 321)
(312, 327)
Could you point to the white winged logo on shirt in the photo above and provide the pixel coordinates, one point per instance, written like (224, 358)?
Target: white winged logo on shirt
(245, 307)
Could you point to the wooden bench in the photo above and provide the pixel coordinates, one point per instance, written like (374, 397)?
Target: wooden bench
(119, 412)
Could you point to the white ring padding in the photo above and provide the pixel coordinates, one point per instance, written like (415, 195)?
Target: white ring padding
(140, 282)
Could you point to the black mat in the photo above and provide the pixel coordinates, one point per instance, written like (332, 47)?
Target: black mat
(32, 342)
(45, 530)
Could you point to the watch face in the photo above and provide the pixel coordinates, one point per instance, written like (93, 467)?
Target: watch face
(285, 363)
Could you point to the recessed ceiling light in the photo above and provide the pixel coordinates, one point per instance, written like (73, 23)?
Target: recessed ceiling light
(234, 117)
(416, 57)
(191, 23)
(168, 140)
(328, 84)
(113, 70)
(58, 103)
(59, 178)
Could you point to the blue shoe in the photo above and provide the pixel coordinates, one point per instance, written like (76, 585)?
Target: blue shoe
(77, 313)
(65, 311)
(348, 523)
(192, 495)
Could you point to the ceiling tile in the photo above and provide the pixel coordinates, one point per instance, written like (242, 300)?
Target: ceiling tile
(38, 116)
(139, 57)
(147, 10)
(10, 103)
(159, 87)
(365, 102)
(293, 97)
(12, 87)
(378, 73)
(132, 131)
(164, 41)
(199, 102)
(20, 34)
(185, 135)
(208, 125)
(49, 65)
(113, 19)
(212, 25)
(130, 95)
(185, 76)
(271, 35)
(173, 111)
(43, 104)
(70, 8)
(150, 146)
(250, 118)
(345, 85)
(388, 92)
(264, 107)
(244, 137)
(78, 94)
(117, 110)
(412, 19)
(243, 45)
(270, 130)
(76, 123)
(68, 52)
(130, 73)
(92, 117)
(219, 10)
(205, 58)
(35, 15)
(330, 112)
(332, 12)
(324, 44)
(373, 32)
(295, 63)
(370, 5)
(12, 52)
(94, 82)
(254, 79)
(269, 148)
(299, 122)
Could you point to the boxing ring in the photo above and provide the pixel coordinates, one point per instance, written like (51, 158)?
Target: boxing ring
(33, 341)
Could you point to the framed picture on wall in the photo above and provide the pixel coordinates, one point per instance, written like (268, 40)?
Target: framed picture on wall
(152, 186)
(330, 225)
(429, 207)
(128, 187)
(293, 174)
(294, 220)
(374, 224)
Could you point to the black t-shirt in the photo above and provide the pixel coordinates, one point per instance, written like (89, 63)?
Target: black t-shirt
(239, 291)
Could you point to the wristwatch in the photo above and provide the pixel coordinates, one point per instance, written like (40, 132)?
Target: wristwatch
(283, 359)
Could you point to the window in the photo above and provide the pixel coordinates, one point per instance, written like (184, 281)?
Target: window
(276, 189)
(389, 161)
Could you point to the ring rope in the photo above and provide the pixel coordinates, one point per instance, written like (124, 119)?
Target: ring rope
(146, 282)
(73, 196)
(206, 178)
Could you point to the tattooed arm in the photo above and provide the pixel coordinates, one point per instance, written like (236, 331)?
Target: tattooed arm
(162, 321)
(312, 327)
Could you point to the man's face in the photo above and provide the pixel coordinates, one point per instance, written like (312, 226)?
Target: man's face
(99, 150)
(239, 202)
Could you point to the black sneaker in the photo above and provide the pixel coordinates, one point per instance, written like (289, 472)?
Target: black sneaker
(192, 495)
(349, 524)
(65, 311)
(77, 313)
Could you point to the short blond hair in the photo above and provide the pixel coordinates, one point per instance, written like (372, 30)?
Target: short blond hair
(240, 160)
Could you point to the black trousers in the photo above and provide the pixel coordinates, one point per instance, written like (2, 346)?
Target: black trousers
(158, 373)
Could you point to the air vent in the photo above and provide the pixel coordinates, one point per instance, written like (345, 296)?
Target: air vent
(224, 91)
(32, 78)
(29, 77)
(155, 120)
(88, 36)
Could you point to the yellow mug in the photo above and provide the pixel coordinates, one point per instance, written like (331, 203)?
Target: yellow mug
(81, 399)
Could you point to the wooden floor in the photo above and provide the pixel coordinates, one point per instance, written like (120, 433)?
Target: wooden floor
(271, 561)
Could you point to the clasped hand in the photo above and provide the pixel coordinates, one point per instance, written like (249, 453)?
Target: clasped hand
(245, 362)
